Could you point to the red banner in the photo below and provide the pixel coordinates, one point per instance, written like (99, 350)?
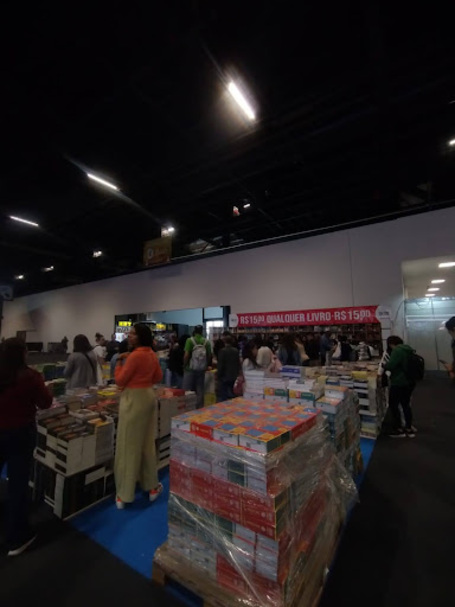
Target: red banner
(329, 316)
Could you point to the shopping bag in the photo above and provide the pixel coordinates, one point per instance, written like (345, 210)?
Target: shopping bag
(337, 354)
(239, 386)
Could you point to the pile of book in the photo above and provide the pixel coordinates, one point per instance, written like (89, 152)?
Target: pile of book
(72, 441)
(171, 402)
(257, 499)
(362, 380)
(339, 408)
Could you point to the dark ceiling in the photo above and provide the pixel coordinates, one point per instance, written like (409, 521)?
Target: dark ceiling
(355, 108)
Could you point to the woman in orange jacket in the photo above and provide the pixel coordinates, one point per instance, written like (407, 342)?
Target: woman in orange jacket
(135, 457)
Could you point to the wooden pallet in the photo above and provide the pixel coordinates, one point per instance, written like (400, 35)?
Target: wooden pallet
(170, 572)
(189, 578)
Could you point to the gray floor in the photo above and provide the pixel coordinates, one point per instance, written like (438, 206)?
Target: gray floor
(398, 549)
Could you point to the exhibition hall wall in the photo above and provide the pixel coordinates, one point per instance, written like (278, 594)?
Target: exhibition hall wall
(353, 267)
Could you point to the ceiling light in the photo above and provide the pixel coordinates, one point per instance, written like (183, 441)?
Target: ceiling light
(97, 253)
(29, 223)
(241, 100)
(430, 295)
(247, 205)
(102, 181)
(447, 264)
(434, 289)
(48, 269)
(452, 142)
(19, 277)
(167, 231)
(438, 281)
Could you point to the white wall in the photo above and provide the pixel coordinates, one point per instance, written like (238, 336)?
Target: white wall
(426, 332)
(183, 317)
(361, 266)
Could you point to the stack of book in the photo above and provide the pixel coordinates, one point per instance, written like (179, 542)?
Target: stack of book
(257, 499)
(362, 380)
(339, 408)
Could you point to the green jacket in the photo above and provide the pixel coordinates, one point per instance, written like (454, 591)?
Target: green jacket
(397, 366)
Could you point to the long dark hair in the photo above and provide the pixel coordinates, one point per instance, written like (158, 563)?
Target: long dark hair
(248, 352)
(12, 361)
(81, 344)
(288, 342)
(144, 335)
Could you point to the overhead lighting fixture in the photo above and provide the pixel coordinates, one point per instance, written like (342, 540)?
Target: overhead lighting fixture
(102, 181)
(247, 205)
(430, 295)
(447, 264)
(20, 220)
(97, 253)
(241, 100)
(19, 277)
(452, 142)
(433, 289)
(438, 281)
(48, 269)
(168, 231)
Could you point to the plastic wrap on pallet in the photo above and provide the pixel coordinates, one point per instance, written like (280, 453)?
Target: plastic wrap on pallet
(255, 523)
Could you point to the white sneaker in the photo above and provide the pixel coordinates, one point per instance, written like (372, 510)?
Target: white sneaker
(118, 502)
(155, 493)
(17, 550)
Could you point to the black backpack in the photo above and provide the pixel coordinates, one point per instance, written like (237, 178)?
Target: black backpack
(415, 367)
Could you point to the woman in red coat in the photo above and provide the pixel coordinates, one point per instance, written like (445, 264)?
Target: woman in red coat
(22, 391)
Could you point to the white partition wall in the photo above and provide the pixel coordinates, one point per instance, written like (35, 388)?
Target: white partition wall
(425, 330)
(360, 266)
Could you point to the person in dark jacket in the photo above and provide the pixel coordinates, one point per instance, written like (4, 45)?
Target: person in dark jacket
(312, 348)
(346, 349)
(288, 352)
(22, 391)
(450, 326)
(112, 348)
(175, 364)
(228, 368)
(326, 347)
(401, 387)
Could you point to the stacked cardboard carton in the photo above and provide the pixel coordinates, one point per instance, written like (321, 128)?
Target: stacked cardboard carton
(67, 495)
(70, 442)
(257, 498)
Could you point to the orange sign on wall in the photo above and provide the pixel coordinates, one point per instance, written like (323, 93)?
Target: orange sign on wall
(157, 251)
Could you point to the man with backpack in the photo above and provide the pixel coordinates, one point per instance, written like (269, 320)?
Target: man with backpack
(198, 354)
(406, 368)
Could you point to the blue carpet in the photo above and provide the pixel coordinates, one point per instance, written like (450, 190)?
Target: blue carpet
(132, 534)
(366, 447)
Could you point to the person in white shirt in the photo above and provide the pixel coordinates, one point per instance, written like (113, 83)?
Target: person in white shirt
(250, 357)
(264, 356)
(100, 352)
